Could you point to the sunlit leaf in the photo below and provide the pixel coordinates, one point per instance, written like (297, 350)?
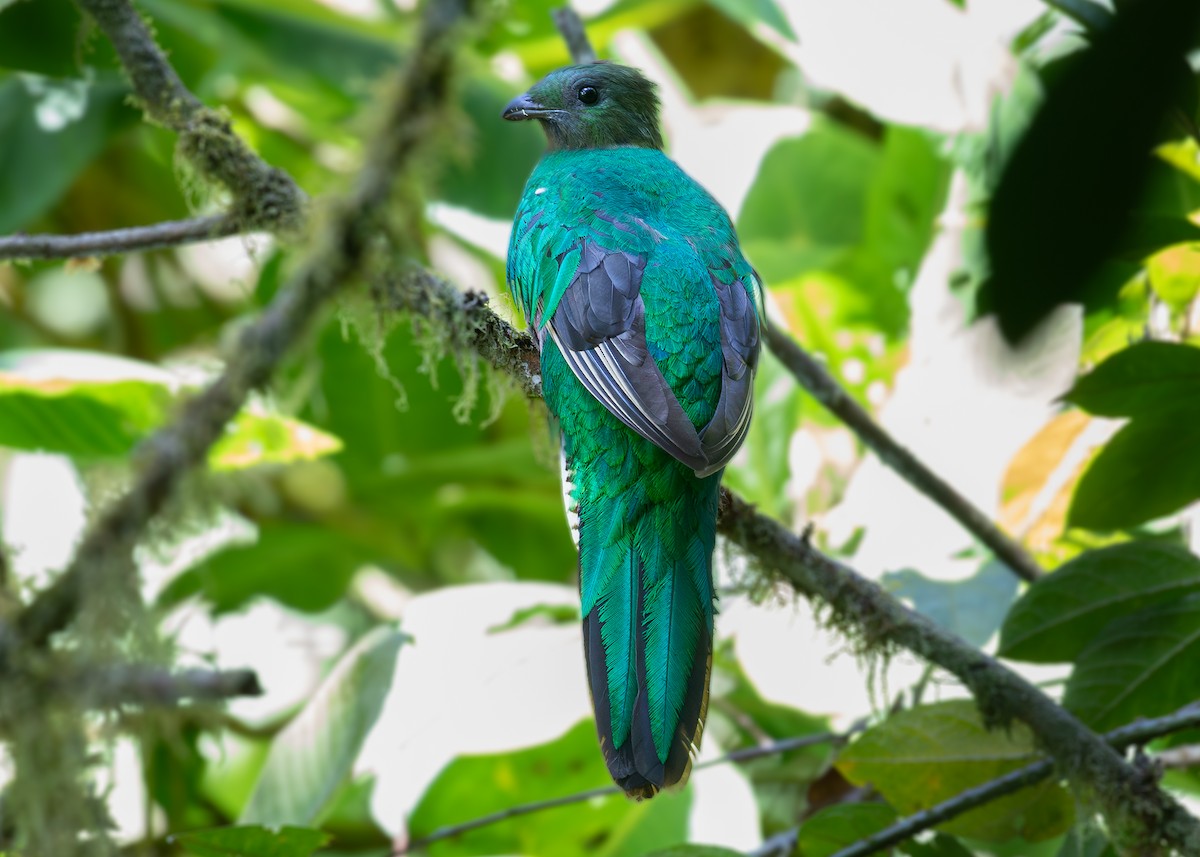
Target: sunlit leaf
(252, 842)
(1175, 274)
(1061, 615)
(1142, 665)
(314, 755)
(922, 756)
(475, 786)
(255, 438)
(79, 403)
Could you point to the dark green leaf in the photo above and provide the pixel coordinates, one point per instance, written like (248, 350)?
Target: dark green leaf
(314, 755)
(1147, 470)
(925, 755)
(303, 566)
(838, 826)
(49, 131)
(1063, 201)
(758, 13)
(54, 51)
(1145, 379)
(1142, 665)
(1059, 616)
(972, 608)
(1086, 840)
(252, 842)
(940, 845)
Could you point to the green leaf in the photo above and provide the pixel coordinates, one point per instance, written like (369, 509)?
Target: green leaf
(1147, 470)
(49, 131)
(972, 608)
(252, 842)
(1142, 665)
(256, 438)
(694, 851)
(758, 13)
(922, 756)
(55, 51)
(940, 845)
(1148, 379)
(314, 755)
(1060, 615)
(1063, 203)
(305, 567)
(840, 825)
(79, 403)
(610, 826)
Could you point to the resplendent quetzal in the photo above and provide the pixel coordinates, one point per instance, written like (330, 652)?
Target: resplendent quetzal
(646, 316)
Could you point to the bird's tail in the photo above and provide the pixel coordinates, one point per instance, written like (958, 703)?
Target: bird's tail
(647, 604)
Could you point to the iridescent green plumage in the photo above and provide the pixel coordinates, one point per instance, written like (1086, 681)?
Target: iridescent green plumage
(644, 311)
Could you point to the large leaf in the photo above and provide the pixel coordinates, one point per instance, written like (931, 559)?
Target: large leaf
(841, 825)
(474, 786)
(314, 755)
(79, 403)
(1142, 665)
(1147, 379)
(925, 755)
(1064, 202)
(49, 131)
(1147, 470)
(971, 608)
(252, 842)
(1061, 615)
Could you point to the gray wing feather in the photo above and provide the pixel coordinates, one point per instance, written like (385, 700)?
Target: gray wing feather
(599, 327)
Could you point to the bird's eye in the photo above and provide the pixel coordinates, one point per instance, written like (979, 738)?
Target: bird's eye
(588, 95)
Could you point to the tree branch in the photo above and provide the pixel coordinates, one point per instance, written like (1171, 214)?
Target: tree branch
(134, 684)
(1138, 732)
(815, 378)
(337, 259)
(871, 615)
(171, 233)
(264, 197)
(773, 748)
(825, 389)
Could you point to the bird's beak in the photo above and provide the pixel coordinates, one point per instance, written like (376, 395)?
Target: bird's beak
(523, 107)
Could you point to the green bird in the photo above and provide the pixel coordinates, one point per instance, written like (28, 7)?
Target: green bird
(646, 316)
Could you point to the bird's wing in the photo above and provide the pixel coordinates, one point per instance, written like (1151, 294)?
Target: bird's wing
(599, 325)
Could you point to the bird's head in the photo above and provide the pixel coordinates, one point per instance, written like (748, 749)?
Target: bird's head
(592, 106)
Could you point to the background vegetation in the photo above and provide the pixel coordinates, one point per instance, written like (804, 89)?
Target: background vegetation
(284, 564)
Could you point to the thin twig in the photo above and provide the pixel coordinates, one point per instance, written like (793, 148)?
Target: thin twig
(774, 748)
(264, 197)
(815, 378)
(171, 233)
(570, 25)
(826, 390)
(780, 845)
(1138, 732)
(132, 684)
(336, 260)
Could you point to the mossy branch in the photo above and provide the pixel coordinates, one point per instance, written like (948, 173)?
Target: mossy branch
(264, 197)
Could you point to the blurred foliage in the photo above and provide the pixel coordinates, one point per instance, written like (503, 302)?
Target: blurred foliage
(379, 469)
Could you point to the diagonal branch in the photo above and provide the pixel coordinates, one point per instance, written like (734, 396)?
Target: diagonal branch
(338, 258)
(1138, 732)
(825, 389)
(171, 233)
